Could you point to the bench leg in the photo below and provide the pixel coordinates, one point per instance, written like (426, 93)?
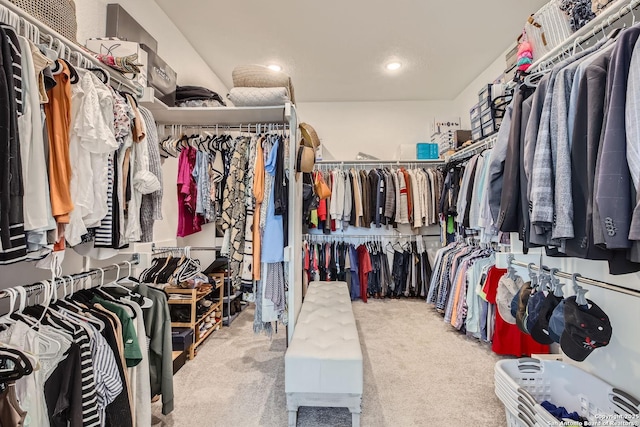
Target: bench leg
(355, 417)
(293, 416)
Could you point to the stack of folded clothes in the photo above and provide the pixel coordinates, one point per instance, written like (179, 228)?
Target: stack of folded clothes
(196, 96)
(258, 86)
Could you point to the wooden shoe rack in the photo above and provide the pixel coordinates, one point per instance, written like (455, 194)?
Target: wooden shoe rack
(192, 297)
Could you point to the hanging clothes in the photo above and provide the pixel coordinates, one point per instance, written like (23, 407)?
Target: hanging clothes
(372, 269)
(463, 288)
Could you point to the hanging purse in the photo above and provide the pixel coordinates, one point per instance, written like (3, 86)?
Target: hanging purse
(322, 189)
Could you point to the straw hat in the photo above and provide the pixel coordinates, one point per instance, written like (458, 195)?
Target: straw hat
(309, 136)
(306, 159)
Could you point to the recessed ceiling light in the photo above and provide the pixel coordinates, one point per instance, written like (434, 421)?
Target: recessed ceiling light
(275, 67)
(392, 66)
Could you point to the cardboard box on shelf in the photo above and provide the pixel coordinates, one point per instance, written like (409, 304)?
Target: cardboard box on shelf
(120, 48)
(162, 78)
(123, 26)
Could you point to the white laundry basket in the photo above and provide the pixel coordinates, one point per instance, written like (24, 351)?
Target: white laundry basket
(523, 384)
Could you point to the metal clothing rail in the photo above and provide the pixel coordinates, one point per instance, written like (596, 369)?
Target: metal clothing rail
(330, 163)
(473, 149)
(585, 280)
(606, 18)
(248, 128)
(135, 259)
(71, 51)
(154, 248)
(366, 236)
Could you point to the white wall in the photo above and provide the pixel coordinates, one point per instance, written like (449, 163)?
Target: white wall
(173, 47)
(375, 128)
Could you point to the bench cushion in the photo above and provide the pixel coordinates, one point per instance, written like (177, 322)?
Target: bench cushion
(324, 355)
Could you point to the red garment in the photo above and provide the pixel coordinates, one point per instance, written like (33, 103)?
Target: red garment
(507, 338)
(188, 221)
(407, 180)
(322, 210)
(490, 287)
(364, 263)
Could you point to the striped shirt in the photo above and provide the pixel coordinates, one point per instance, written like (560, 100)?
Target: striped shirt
(13, 236)
(105, 369)
(16, 59)
(90, 412)
(104, 233)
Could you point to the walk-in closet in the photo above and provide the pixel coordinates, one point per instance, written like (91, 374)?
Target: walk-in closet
(239, 214)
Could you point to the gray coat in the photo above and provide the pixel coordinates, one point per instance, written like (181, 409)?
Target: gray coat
(542, 188)
(496, 168)
(584, 151)
(613, 195)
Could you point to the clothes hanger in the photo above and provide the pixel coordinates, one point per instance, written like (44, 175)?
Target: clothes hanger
(81, 315)
(47, 286)
(510, 269)
(144, 302)
(556, 286)
(67, 300)
(20, 366)
(6, 319)
(544, 278)
(104, 76)
(108, 296)
(98, 290)
(75, 77)
(47, 346)
(60, 50)
(581, 293)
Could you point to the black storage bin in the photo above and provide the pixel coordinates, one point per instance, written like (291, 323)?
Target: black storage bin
(179, 362)
(181, 338)
(218, 266)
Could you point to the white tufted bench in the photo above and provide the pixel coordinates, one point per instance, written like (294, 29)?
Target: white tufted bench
(323, 365)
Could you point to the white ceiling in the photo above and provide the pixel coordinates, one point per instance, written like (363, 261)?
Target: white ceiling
(335, 50)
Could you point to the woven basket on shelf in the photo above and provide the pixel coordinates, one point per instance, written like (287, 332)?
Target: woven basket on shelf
(60, 15)
(261, 76)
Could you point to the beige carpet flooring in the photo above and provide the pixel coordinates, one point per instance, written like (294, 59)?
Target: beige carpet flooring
(418, 371)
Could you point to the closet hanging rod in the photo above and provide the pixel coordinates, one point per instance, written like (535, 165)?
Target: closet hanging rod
(473, 149)
(135, 260)
(606, 18)
(367, 236)
(154, 248)
(585, 280)
(378, 162)
(249, 127)
(75, 50)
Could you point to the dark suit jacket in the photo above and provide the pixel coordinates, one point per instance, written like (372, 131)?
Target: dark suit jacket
(613, 196)
(587, 137)
(525, 225)
(510, 216)
(584, 151)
